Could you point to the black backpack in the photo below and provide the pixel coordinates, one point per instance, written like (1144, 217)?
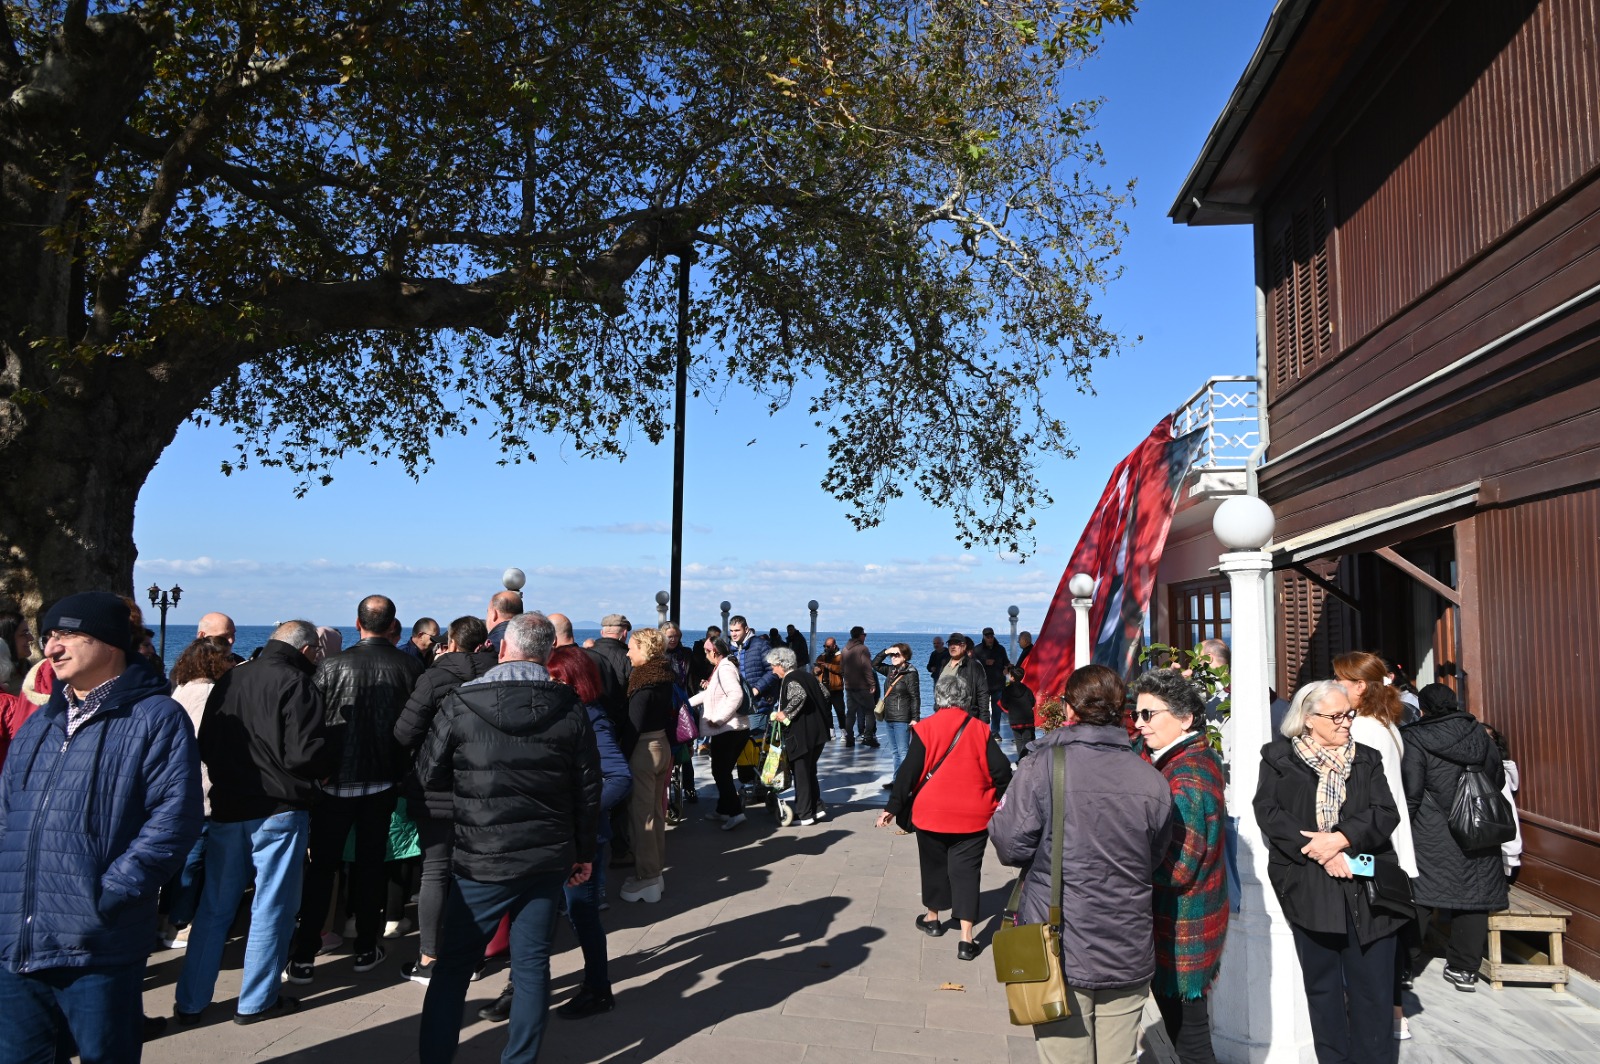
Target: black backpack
(1479, 816)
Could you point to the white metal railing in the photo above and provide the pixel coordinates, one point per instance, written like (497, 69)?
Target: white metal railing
(1225, 409)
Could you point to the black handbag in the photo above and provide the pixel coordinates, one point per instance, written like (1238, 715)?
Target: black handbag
(1480, 818)
(1390, 889)
(902, 819)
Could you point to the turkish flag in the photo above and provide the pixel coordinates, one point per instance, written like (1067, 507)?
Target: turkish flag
(1121, 548)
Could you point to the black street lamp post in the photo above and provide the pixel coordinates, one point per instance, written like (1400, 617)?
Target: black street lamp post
(160, 600)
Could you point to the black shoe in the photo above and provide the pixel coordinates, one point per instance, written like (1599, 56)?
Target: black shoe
(587, 1002)
(369, 960)
(1461, 979)
(417, 972)
(849, 740)
(298, 972)
(967, 951)
(186, 1019)
(499, 1011)
(692, 797)
(282, 1007)
(154, 1027)
(932, 928)
(870, 743)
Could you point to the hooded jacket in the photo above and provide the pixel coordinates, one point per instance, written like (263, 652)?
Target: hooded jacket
(1286, 805)
(449, 672)
(1438, 749)
(263, 737)
(91, 828)
(1117, 824)
(519, 758)
(902, 690)
(363, 691)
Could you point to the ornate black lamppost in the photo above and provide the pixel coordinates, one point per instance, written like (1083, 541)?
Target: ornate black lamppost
(160, 600)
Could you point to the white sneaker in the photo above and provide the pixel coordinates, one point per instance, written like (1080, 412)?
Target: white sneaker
(718, 816)
(399, 928)
(733, 822)
(645, 890)
(350, 928)
(1402, 1030)
(822, 813)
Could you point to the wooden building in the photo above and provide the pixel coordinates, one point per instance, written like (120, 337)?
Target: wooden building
(1423, 179)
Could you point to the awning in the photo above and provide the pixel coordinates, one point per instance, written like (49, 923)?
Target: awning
(1364, 529)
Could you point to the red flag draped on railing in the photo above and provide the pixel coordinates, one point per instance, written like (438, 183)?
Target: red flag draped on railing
(1121, 548)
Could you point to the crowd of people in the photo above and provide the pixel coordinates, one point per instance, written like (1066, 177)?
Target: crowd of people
(508, 768)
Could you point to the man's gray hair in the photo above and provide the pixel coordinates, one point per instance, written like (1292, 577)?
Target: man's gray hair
(531, 636)
(782, 656)
(1307, 701)
(1181, 696)
(298, 634)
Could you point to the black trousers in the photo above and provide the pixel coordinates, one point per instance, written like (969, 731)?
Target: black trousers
(836, 700)
(806, 789)
(437, 839)
(725, 748)
(1469, 937)
(1349, 995)
(1188, 1025)
(951, 867)
(331, 822)
(1022, 736)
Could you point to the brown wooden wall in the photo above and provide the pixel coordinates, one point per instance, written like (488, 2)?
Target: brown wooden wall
(1539, 564)
(1313, 627)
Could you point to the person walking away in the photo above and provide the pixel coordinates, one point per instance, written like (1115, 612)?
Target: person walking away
(1116, 829)
(797, 643)
(830, 673)
(650, 715)
(517, 752)
(723, 713)
(803, 711)
(1322, 800)
(100, 801)
(194, 675)
(1018, 702)
(1379, 713)
(1191, 887)
(902, 701)
(264, 739)
(956, 775)
(1465, 885)
(992, 656)
(459, 663)
(860, 688)
(363, 692)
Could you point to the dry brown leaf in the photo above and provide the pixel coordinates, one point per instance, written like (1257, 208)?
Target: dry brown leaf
(952, 986)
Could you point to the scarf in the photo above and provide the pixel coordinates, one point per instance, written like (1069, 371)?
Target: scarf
(1332, 767)
(654, 671)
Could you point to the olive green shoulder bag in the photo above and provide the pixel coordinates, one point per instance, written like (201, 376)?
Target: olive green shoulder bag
(1027, 957)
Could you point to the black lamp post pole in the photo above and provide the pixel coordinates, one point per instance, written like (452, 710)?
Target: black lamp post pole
(674, 604)
(163, 601)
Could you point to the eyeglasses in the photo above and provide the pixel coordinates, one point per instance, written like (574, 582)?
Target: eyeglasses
(1346, 717)
(1143, 716)
(895, 654)
(62, 635)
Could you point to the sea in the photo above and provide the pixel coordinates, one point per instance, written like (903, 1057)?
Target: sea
(251, 636)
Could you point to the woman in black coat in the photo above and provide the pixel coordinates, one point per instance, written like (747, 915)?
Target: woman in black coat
(1321, 801)
(1469, 886)
(803, 711)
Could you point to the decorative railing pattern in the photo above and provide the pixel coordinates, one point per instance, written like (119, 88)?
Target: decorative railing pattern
(1225, 408)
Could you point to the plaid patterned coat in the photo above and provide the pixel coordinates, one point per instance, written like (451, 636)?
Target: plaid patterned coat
(1191, 895)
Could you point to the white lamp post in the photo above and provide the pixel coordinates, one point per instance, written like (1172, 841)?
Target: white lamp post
(514, 579)
(1258, 1004)
(662, 599)
(1013, 612)
(1082, 588)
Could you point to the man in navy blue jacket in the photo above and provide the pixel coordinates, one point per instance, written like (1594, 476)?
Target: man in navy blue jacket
(99, 806)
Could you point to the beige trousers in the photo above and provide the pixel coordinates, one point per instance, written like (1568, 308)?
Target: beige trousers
(1103, 1028)
(650, 764)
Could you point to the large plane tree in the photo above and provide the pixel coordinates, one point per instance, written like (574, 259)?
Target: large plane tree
(355, 228)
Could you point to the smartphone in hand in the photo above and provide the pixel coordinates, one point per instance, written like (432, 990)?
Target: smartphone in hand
(1361, 864)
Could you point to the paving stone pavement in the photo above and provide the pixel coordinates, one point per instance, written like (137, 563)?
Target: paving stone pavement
(777, 946)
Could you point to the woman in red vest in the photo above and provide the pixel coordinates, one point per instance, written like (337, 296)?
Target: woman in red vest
(954, 773)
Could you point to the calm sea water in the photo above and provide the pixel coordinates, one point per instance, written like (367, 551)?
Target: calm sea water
(251, 636)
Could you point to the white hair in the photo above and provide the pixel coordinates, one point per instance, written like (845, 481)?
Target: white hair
(1307, 700)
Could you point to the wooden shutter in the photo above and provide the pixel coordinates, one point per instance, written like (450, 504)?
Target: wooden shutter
(1313, 628)
(1302, 293)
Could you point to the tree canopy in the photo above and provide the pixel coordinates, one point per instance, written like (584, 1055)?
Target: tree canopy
(357, 228)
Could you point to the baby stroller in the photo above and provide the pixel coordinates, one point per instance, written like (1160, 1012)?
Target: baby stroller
(765, 753)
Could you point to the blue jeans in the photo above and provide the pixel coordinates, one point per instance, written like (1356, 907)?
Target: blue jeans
(46, 1012)
(583, 913)
(182, 895)
(471, 914)
(273, 850)
(899, 735)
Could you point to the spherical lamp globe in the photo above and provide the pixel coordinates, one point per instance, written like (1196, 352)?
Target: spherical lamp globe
(1081, 585)
(513, 579)
(1243, 522)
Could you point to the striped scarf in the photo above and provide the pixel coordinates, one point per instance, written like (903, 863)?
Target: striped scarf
(1332, 766)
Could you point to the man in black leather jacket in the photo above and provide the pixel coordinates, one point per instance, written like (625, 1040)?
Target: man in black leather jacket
(363, 691)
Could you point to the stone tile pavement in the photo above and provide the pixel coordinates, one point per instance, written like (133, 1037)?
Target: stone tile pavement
(781, 946)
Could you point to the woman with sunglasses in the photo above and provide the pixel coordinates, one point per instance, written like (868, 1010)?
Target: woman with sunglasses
(902, 701)
(1326, 811)
(1191, 884)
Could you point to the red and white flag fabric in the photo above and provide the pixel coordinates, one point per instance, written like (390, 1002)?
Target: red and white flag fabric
(1121, 548)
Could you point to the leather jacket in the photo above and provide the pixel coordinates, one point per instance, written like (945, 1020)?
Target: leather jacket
(363, 691)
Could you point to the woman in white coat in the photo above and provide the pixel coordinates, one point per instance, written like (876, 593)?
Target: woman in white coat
(725, 721)
(1379, 712)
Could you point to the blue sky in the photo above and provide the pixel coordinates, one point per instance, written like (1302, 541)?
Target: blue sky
(594, 537)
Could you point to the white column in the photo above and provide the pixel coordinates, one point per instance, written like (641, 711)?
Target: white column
(1258, 1005)
(1082, 588)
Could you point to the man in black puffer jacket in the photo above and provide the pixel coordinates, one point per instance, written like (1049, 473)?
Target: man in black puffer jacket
(1468, 885)
(363, 691)
(517, 751)
(434, 811)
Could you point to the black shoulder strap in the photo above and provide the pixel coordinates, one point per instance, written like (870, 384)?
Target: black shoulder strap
(929, 774)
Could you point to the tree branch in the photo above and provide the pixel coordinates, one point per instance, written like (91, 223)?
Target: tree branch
(10, 58)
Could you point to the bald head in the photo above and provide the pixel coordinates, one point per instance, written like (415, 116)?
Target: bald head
(375, 617)
(502, 607)
(216, 624)
(563, 627)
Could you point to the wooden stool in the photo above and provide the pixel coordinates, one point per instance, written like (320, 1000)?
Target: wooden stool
(1525, 912)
